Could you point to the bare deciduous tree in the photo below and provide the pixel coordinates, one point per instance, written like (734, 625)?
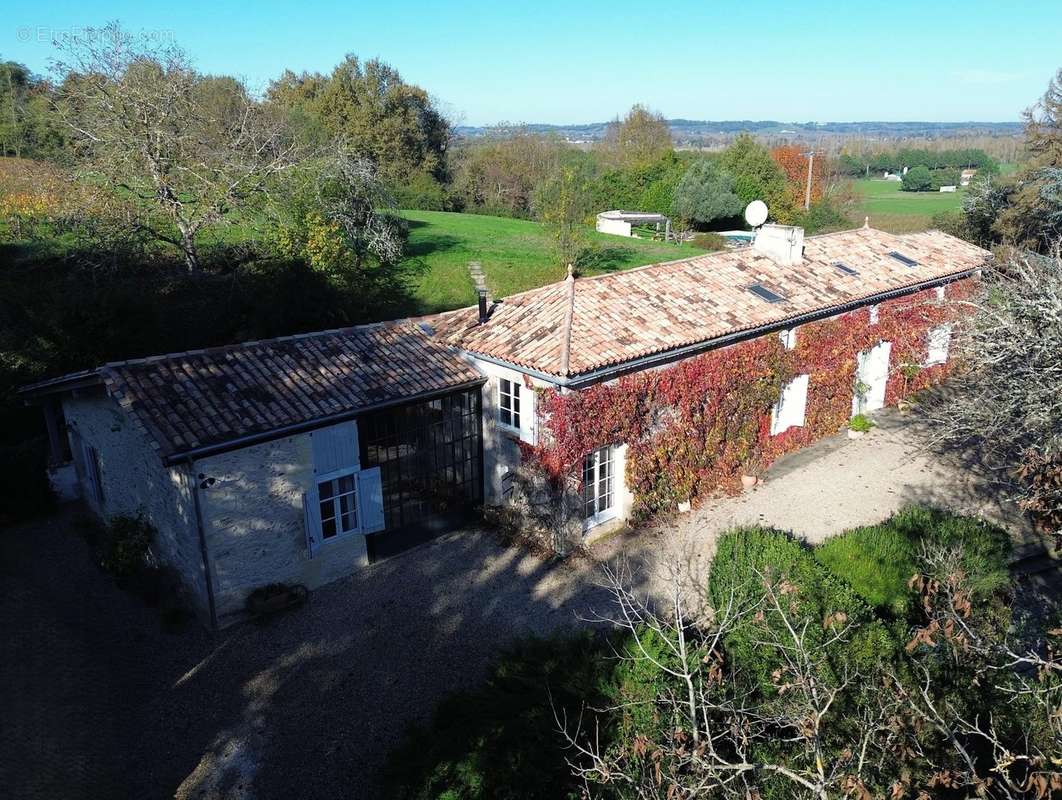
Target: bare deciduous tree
(354, 198)
(824, 727)
(1007, 401)
(146, 126)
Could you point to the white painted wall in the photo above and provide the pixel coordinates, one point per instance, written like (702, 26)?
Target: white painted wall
(253, 520)
(617, 227)
(135, 481)
(500, 451)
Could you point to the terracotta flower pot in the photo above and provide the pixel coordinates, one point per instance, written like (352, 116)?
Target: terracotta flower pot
(856, 434)
(748, 481)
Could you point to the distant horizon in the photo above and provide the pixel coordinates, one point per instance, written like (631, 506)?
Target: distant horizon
(763, 121)
(555, 63)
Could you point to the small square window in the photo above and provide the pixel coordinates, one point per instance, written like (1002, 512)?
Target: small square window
(874, 314)
(339, 505)
(789, 338)
(940, 294)
(509, 403)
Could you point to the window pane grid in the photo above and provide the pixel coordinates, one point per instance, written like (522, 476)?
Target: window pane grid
(597, 483)
(338, 505)
(509, 403)
(428, 456)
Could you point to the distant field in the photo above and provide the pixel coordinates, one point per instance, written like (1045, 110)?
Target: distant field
(516, 255)
(901, 212)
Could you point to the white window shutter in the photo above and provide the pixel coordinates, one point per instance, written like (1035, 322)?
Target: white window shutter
(776, 416)
(92, 470)
(798, 402)
(335, 448)
(791, 406)
(527, 412)
(939, 341)
(311, 512)
(370, 500)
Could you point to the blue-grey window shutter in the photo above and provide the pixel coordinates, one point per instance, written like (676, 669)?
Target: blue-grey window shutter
(370, 500)
(335, 448)
(311, 512)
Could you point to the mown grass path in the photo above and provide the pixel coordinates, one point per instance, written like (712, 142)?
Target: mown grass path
(516, 255)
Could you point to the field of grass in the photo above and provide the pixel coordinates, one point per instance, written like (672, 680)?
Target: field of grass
(515, 254)
(901, 212)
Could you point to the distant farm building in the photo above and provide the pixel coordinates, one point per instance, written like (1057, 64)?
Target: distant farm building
(621, 223)
(966, 176)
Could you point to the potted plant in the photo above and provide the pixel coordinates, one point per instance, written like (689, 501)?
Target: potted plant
(858, 426)
(751, 470)
(275, 597)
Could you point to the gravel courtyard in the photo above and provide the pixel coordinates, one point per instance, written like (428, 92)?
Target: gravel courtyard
(100, 702)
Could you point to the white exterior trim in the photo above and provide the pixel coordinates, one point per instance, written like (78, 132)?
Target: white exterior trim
(937, 345)
(791, 407)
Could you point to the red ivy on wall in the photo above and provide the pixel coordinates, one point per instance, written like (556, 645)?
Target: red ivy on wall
(695, 427)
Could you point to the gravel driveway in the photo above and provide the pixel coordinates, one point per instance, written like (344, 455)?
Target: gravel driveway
(99, 702)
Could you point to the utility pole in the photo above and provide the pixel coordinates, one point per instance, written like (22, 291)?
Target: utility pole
(807, 192)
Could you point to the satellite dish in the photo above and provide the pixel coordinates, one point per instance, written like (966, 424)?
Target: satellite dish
(756, 213)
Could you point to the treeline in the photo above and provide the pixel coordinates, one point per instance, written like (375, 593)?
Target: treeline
(513, 171)
(519, 172)
(29, 127)
(856, 165)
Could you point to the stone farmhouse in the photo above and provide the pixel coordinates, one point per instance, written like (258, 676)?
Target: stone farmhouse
(303, 458)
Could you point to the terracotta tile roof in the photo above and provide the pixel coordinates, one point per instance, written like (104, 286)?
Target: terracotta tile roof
(623, 316)
(186, 401)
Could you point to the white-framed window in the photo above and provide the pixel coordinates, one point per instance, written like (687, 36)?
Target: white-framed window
(940, 294)
(789, 411)
(343, 500)
(599, 495)
(338, 504)
(509, 403)
(939, 339)
(788, 337)
(874, 314)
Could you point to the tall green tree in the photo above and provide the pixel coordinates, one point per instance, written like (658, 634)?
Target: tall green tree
(757, 176)
(917, 179)
(641, 137)
(373, 112)
(564, 203)
(15, 83)
(706, 193)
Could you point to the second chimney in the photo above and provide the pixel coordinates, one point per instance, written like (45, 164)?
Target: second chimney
(483, 315)
(783, 244)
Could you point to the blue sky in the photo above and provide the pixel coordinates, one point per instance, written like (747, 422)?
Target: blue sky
(569, 62)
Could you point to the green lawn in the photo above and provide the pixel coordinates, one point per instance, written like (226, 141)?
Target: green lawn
(516, 255)
(894, 210)
(886, 198)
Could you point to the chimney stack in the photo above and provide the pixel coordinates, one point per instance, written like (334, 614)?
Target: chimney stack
(483, 316)
(783, 244)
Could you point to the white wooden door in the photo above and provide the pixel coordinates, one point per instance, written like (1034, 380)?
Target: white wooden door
(872, 373)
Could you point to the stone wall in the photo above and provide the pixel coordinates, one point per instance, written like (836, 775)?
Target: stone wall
(253, 519)
(134, 481)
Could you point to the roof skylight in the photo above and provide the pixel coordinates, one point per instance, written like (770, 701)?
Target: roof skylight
(905, 260)
(842, 267)
(764, 293)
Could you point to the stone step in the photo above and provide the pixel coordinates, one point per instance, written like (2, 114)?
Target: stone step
(1035, 564)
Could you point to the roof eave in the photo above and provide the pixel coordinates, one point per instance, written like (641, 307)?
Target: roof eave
(64, 383)
(240, 442)
(583, 379)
